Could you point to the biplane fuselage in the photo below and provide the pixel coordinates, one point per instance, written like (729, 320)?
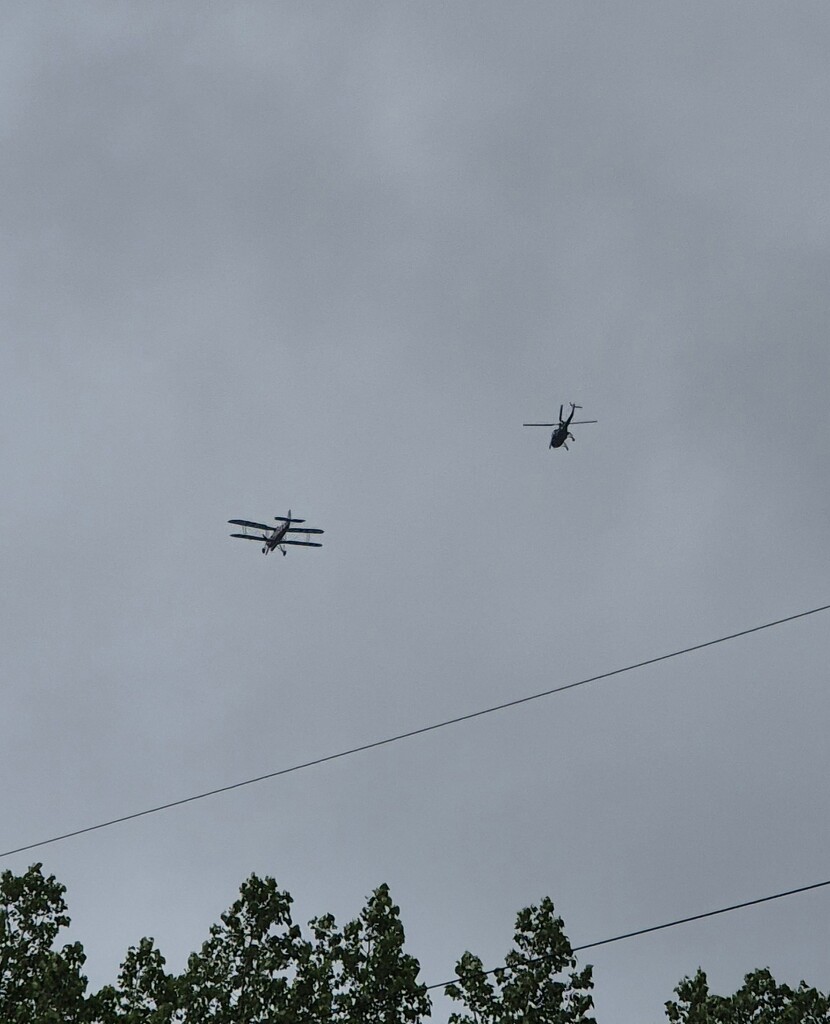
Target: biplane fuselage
(274, 540)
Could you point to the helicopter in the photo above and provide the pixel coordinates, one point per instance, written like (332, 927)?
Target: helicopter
(559, 438)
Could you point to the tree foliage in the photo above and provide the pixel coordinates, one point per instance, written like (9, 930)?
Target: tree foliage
(532, 987)
(38, 983)
(761, 1000)
(258, 967)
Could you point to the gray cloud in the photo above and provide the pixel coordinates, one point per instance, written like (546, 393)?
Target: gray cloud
(332, 259)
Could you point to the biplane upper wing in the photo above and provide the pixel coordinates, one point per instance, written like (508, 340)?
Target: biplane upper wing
(540, 424)
(255, 526)
(303, 543)
(295, 529)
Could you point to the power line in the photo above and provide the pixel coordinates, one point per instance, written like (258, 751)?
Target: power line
(407, 735)
(653, 928)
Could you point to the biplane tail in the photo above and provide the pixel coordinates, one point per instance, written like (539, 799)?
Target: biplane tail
(288, 519)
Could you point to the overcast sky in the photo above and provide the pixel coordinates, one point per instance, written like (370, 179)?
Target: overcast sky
(329, 257)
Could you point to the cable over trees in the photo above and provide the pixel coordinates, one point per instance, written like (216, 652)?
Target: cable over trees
(258, 966)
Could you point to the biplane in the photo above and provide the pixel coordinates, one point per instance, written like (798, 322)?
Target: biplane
(272, 537)
(562, 432)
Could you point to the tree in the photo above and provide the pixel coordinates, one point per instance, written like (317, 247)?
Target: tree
(38, 984)
(530, 987)
(378, 982)
(242, 972)
(257, 967)
(145, 992)
(760, 1001)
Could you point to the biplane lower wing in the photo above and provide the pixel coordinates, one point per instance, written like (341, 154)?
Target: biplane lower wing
(303, 543)
(248, 536)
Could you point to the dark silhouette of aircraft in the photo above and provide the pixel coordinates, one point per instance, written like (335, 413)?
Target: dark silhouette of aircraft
(562, 432)
(275, 536)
